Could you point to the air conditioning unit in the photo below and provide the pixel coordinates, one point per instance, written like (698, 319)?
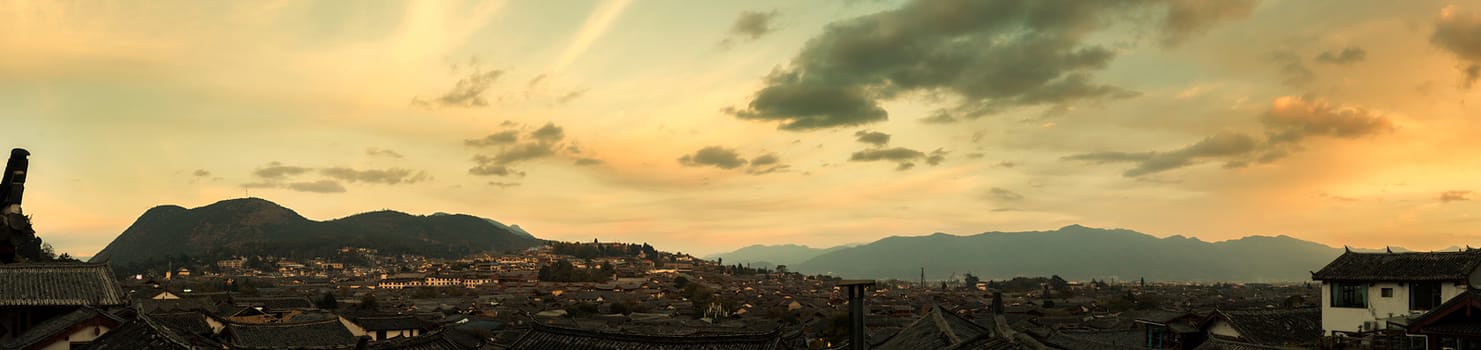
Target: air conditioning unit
(1370, 326)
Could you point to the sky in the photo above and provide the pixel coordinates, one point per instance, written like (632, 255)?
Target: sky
(705, 126)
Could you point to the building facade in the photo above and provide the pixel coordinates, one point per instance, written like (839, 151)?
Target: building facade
(1364, 292)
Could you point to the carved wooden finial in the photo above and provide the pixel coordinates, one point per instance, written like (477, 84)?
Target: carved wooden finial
(1347, 248)
(1389, 249)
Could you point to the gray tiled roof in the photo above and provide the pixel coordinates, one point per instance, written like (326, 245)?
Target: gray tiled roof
(438, 340)
(327, 334)
(56, 325)
(936, 329)
(558, 338)
(1427, 266)
(386, 323)
(59, 284)
(1302, 326)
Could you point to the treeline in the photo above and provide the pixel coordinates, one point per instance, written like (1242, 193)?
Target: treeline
(602, 250)
(565, 271)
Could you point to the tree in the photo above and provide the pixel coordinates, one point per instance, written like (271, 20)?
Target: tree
(970, 281)
(781, 269)
(327, 301)
(681, 282)
(1058, 283)
(368, 302)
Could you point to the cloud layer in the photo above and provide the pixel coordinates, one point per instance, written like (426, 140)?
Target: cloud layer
(1287, 122)
(987, 55)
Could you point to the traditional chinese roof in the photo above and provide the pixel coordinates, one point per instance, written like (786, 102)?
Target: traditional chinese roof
(326, 334)
(189, 322)
(1222, 343)
(387, 323)
(1450, 318)
(57, 326)
(438, 340)
(1276, 327)
(59, 284)
(937, 329)
(276, 304)
(1413, 266)
(559, 338)
(146, 333)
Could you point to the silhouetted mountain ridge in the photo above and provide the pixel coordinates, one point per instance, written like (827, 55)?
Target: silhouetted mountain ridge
(1078, 252)
(254, 226)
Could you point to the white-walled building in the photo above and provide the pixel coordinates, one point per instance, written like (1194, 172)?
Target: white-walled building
(1372, 291)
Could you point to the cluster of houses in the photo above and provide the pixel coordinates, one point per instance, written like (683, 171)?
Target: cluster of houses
(1383, 300)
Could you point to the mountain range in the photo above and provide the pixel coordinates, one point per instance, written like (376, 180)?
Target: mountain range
(254, 226)
(1074, 252)
(770, 256)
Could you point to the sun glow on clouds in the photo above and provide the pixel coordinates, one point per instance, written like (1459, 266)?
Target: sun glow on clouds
(122, 104)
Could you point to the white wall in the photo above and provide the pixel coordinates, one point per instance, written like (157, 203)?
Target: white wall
(1379, 308)
(84, 334)
(1223, 328)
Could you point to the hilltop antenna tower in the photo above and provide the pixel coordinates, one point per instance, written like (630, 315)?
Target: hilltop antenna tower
(922, 277)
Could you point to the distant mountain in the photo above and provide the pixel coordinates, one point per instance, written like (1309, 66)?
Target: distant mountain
(1078, 253)
(771, 255)
(511, 228)
(253, 226)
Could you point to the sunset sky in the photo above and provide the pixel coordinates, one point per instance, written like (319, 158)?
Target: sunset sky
(704, 126)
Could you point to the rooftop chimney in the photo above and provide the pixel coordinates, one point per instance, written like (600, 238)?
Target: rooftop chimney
(856, 290)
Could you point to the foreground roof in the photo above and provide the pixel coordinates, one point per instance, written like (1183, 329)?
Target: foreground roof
(59, 284)
(1414, 266)
(937, 329)
(1299, 326)
(1455, 317)
(57, 326)
(326, 334)
(559, 338)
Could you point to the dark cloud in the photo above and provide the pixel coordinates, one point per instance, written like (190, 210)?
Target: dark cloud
(276, 171)
(1287, 123)
(873, 137)
(1291, 119)
(392, 176)
(468, 92)
(716, 156)
(321, 186)
(1292, 70)
(1221, 145)
(1459, 31)
(549, 133)
(484, 168)
(1187, 18)
(1350, 54)
(200, 173)
(985, 56)
(376, 152)
(904, 158)
(1451, 196)
(508, 150)
(499, 138)
(766, 164)
(1003, 195)
(751, 25)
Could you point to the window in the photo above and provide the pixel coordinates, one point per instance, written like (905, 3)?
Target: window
(1424, 295)
(1349, 295)
(1387, 292)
